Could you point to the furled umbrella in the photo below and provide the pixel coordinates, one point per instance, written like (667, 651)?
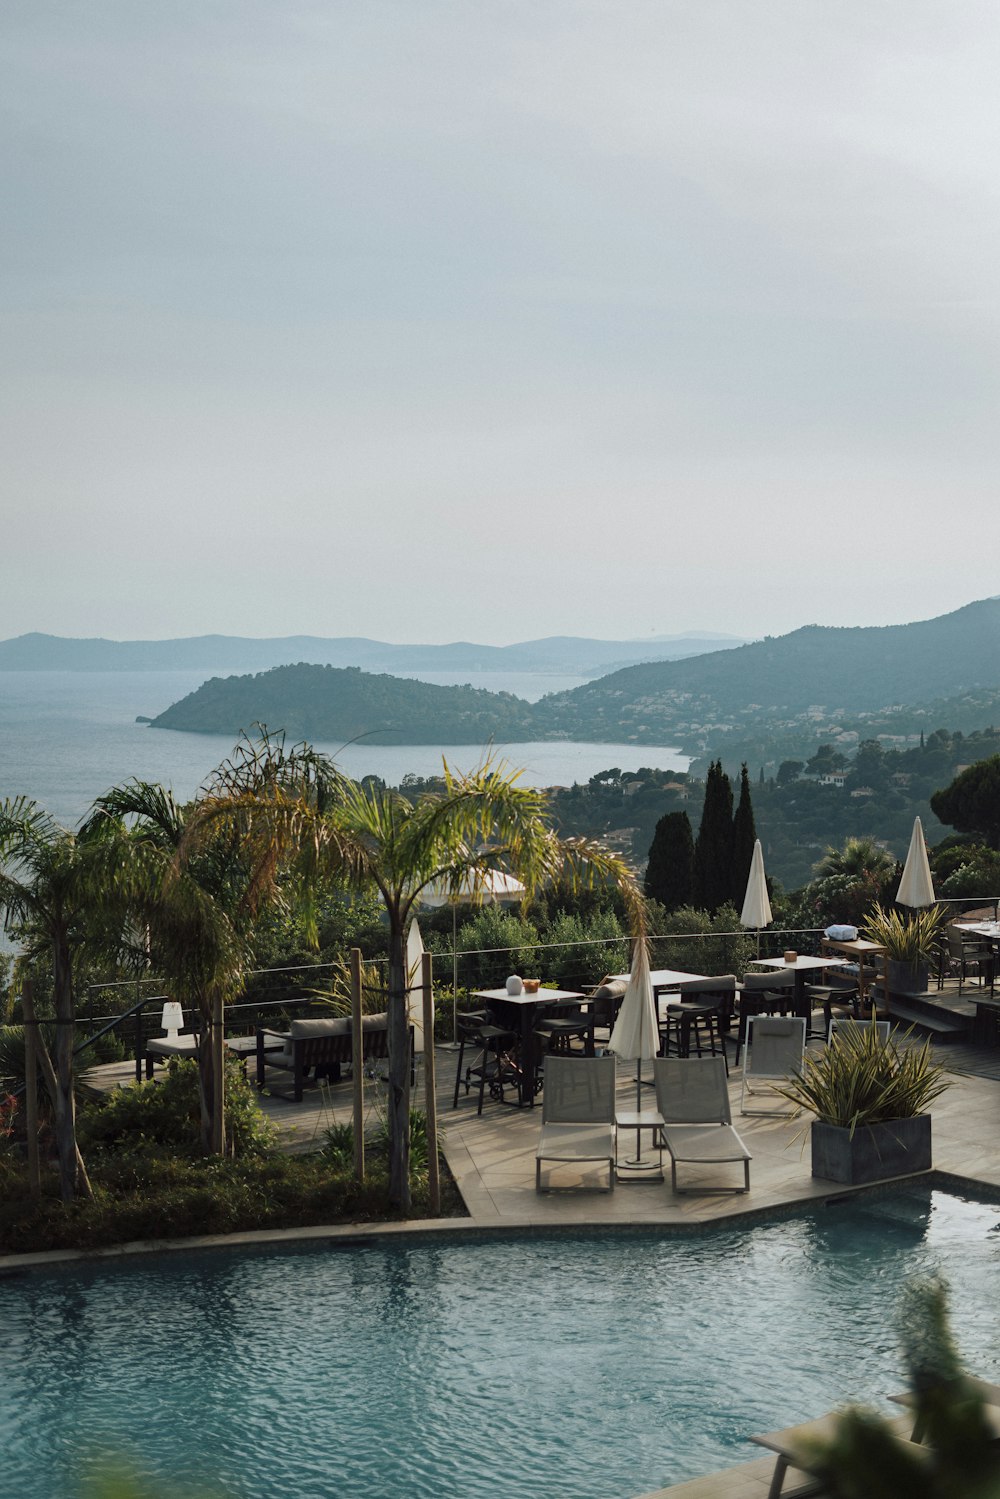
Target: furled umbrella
(636, 1035)
(916, 888)
(756, 911)
(478, 885)
(414, 977)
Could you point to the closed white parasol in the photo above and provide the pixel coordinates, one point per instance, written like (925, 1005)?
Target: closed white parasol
(636, 1035)
(756, 905)
(916, 888)
(414, 974)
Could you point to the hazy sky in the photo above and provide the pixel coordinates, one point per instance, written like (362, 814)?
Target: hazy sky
(493, 320)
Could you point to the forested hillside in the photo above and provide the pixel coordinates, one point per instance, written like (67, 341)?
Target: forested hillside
(328, 702)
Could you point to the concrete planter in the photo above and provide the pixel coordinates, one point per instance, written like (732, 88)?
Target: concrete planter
(906, 978)
(876, 1152)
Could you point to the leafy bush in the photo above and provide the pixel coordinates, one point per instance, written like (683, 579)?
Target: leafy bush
(497, 943)
(861, 1080)
(168, 1113)
(594, 952)
(710, 952)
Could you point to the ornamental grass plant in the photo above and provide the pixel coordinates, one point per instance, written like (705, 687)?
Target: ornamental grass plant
(861, 1080)
(909, 939)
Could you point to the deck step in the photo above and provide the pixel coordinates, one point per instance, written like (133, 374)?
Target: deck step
(941, 1022)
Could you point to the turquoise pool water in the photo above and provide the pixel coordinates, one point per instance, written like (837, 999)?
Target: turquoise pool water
(593, 1367)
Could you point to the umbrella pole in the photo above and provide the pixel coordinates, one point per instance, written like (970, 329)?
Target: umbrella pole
(454, 974)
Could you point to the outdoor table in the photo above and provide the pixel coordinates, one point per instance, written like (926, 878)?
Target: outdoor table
(637, 1168)
(664, 981)
(989, 931)
(519, 1012)
(185, 1044)
(800, 968)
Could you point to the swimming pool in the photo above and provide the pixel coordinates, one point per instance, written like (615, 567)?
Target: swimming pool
(590, 1367)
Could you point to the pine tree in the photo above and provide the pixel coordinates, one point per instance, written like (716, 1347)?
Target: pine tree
(713, 850)
(670, 871)
(744, 838)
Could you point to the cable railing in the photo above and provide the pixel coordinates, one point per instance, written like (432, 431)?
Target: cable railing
(748, 946)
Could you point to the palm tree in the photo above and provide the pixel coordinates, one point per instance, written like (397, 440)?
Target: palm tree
(194, 886)
(860, 857)
(58, 893)
(369, 835)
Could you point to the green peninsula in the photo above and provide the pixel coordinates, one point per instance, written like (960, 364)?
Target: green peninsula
(330, 702)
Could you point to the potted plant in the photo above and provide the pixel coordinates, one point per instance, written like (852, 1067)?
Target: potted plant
(870, 1099)
(910, 943)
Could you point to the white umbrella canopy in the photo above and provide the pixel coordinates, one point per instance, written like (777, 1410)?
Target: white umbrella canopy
(486, 885)
(916, 888)
(476, 886)
(414, 973)
(636, 1035)
(756, 905)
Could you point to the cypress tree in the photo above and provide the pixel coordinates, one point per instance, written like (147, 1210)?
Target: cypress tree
(744, 838)
(670, 871)
(713, 850)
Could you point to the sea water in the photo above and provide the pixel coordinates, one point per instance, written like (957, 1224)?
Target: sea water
(66, 737)
(574, 1366)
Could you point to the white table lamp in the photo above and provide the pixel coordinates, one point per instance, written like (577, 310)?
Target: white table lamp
(172, 1018)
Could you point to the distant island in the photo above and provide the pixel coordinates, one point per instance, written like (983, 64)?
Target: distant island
(345, 703)
(815, 682)
(568, 655)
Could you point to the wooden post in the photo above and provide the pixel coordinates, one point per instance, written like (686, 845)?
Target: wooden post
(31, 1097)
(218, 1042)
(430, 1100)
(357, 1065)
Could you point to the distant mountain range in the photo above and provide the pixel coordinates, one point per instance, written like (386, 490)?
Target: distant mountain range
(812, 678)
(566, 654)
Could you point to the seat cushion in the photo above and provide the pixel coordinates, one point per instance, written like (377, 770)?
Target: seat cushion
(302, 1030)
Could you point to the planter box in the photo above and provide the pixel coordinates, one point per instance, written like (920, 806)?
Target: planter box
(877, 1151)
(906, 978)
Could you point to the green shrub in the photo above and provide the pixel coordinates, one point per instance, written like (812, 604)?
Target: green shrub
(168, 1113)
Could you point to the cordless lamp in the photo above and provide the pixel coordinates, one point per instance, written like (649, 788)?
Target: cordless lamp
(172, 1019)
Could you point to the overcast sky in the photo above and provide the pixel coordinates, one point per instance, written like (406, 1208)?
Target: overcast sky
(493, 320)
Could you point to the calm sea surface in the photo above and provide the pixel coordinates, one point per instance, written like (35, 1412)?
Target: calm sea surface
(66, 737)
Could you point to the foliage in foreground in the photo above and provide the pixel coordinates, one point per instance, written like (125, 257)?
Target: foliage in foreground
(861, 1080)
(957, 1458)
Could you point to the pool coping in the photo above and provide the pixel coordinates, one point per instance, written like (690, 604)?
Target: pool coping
(349, 1235)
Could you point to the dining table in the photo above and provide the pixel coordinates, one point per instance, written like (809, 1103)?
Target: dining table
(801, 966)
(520, 1013)
(665, 981)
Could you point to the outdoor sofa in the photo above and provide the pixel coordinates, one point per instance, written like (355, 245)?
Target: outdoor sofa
(322, 1046)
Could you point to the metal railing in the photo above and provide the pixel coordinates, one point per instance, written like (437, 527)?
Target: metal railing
(770, 941)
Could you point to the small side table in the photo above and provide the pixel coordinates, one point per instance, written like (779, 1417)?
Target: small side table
(161, 1048)
(639, 1168)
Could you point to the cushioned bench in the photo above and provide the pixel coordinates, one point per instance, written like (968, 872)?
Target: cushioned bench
(322, 1045)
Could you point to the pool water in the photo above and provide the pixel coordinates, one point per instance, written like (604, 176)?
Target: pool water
(591, 1367)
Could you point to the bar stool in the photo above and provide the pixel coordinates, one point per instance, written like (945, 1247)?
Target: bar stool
(688, 1024)
(492, 1063)
(558, 1032)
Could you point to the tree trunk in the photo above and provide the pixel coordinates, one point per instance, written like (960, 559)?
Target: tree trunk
(212, 1075)
(218, 1033)
(64, 1103)
(399, 1075)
